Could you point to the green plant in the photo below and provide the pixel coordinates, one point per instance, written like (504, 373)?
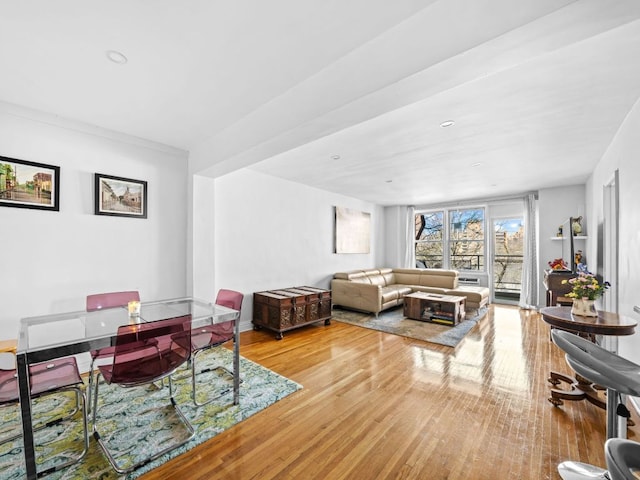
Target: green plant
(586, 285)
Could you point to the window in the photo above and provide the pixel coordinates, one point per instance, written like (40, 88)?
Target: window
(429, 239)
(463, 232)
(466, 239)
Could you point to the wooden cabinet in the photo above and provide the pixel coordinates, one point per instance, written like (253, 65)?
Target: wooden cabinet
(556, 290)
(288, 308)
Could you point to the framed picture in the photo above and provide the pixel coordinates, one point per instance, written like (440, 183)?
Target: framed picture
(118, 196)
(352, 230)
(26, 184)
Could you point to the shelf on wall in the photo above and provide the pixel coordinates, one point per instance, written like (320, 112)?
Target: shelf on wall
(575, 237)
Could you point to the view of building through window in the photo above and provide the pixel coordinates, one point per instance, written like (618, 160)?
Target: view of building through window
(508, 254)
(466, 239)
(463, 233)
(456, 239)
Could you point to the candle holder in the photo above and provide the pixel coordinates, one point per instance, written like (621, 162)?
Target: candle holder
(134, 310)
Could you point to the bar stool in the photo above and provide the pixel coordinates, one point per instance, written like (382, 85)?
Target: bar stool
(618, 375)
(623, 458)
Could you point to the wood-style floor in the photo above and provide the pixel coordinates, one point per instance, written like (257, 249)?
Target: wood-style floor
(380, 406)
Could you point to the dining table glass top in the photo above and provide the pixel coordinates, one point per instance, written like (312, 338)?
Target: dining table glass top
(90, 330)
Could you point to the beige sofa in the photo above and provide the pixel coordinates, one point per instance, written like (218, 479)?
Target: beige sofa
(378, 289)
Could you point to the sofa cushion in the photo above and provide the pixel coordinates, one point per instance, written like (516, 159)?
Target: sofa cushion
(426, 289)
(389, 293)
(430, 277)
(377, 280)
(475, 295)
(358, 277)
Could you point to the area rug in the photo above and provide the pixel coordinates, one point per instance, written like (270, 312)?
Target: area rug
(394, 321)
(148, 418)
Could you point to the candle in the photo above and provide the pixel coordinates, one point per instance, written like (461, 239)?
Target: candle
(134, 308)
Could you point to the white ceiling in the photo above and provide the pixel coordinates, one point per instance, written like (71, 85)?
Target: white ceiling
(537, 88)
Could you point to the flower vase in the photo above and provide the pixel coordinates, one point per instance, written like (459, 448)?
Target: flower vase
(584, 307)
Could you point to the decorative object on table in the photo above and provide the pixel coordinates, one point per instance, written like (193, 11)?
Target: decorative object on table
(576, 226)
(133, 308)
(26, 184)
(119, 196)
(585, 290)
(260, 389)
(558, 264)
(393, 321)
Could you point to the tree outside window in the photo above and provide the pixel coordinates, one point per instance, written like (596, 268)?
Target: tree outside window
(466, 239)
(464, 233)
(429, 239)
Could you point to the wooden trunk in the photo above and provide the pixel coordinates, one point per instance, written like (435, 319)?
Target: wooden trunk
(288, 308)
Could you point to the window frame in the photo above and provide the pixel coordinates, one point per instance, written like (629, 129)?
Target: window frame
(447, 235)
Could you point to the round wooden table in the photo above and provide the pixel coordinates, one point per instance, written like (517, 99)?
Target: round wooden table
(606, 323)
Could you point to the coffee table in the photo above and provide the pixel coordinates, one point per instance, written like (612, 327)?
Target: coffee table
(433, 307)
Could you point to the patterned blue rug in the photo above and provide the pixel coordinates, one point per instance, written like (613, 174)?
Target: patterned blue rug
(148, 419)
(393, 321)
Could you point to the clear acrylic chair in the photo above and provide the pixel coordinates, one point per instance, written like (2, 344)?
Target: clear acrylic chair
(143, 354)
(49, 378)
(99, 301)
(211, 336)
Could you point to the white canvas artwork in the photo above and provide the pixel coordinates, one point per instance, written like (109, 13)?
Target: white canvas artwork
(352, 230)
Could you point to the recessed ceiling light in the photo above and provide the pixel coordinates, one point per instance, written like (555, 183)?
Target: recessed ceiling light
(388, 181)
(116, 57)
(477, 164)
(447, 123)
(335, 157)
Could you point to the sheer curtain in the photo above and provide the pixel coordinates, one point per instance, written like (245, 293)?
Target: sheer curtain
(410, 253)
(529, 291)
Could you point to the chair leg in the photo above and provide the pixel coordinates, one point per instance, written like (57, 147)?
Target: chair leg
(194, 382)
(80, 398)
(121, 469)
(80, 401)
(90, 383)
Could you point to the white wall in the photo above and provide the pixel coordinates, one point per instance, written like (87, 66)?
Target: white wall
(555, 206)
(52, 260)
(395, 236)
(272, 233)
(622, 154)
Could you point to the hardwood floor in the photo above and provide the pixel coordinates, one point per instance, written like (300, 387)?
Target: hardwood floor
(380, 406)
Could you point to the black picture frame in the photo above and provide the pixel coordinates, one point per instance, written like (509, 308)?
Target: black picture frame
(25, 184)
(120, 196)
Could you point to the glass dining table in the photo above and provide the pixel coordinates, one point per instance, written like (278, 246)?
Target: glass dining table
(58, 335)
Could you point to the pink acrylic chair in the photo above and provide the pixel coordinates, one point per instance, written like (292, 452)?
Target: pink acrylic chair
(212, 336)
(48, 378)
(98, 301)
(145, 353)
